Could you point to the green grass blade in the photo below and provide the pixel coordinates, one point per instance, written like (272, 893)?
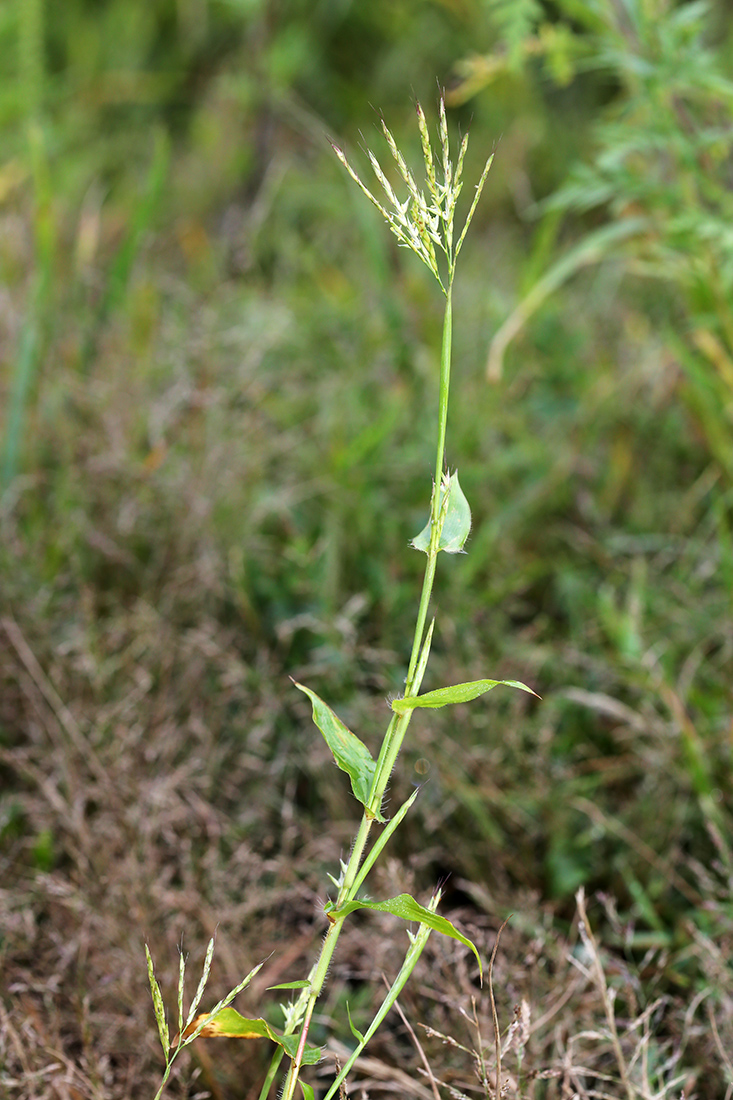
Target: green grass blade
(459, 693)
(406, 908)
(379, 844)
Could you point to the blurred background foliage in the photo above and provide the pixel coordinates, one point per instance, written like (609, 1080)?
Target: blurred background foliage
(217, 384)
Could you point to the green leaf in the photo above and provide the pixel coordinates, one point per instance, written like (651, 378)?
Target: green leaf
(291, 985)
(307, 1090)
(456, 515)
(351, 754)
(354, 1029)
(406, 908)
(459, 693)
(228, 1024)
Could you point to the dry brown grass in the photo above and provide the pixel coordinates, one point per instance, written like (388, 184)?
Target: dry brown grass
(142, 819)
(158, 780)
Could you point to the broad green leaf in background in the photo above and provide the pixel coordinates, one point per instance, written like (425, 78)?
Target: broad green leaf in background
(594, 248)
(459, 693)
(406, 908)
(457, 522)
(351, 754)
(228, 1024)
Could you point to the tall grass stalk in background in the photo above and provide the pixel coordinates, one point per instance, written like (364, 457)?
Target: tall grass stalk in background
(32, 72)
(423, 222)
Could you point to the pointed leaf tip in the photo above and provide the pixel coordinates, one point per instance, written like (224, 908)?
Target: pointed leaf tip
(458, 693)
(354, 1029)
(349, 753)
(405, 907)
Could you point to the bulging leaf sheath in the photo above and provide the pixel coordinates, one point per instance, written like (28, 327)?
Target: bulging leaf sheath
(459, 693)
(454, 516)
(406, 908)
(351, 754)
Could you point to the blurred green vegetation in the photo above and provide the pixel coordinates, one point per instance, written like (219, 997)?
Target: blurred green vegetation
(217, 384)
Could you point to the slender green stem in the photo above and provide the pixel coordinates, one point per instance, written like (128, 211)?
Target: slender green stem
(390, 749)
(318, 977)
(427, 588)
(378, 846)
(445, 362)
(388, 754)
(346, 892)
(164, 1082)
(422, 614)
(317, 982)
(271, 1073)
(413, 954)
(397, 728)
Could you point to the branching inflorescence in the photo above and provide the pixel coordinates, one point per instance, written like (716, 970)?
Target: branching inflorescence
(422, 222)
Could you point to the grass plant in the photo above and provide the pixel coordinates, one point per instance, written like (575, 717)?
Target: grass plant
(424, 223)
(217, 504)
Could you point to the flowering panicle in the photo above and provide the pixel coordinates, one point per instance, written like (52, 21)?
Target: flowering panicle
(424, 219)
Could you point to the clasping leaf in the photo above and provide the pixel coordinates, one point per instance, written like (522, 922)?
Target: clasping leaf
(351, 754)
(455, 513)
